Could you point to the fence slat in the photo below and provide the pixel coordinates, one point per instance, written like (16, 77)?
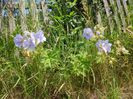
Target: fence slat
(23, 15)
(11, 17)
(107, 9)
(44, 9)
(121, 13)
(116, 15)
(11, 23)
(124, 3)
(34, 14)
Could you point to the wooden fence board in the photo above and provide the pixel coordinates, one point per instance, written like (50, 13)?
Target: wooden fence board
(118, 7)
(23, 15)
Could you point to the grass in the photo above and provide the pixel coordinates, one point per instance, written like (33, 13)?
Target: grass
(66, 66)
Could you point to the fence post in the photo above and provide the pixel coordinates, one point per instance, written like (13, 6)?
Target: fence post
(116, 17)
(121, 13)
(23, 15)
(44, 9)
(11, 17)
(107, 9)
(34, 14)
(124, 2)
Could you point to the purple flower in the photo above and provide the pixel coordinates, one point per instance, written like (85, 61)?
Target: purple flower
(29, 44)
(39, 37)
(29, 40)
(28, 35)
(18, 40)
(88, 33)
(32, 36)
(104, 45)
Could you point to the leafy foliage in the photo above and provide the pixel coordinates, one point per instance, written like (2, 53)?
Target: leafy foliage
(68, 65)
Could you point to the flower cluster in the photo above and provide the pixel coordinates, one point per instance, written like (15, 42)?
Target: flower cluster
(88, 33)
(102, 45)
(29, 40)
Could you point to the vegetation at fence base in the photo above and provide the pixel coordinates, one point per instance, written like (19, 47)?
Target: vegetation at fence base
(88, 52)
